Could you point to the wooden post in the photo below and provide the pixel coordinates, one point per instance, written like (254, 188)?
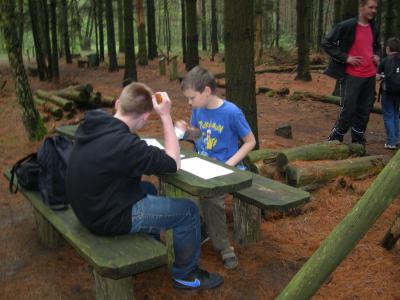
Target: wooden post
(47, 234)
(346, 234)
(247, 222)
(392, 235)
(113, 289)
(161, 65)
(174, 69)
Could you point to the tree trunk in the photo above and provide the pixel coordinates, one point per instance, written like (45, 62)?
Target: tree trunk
(112, 53)
(303, 40)
(239, 59)
(65, 32)
(54, 45)
(46, 28)
(183, 33)
(390, 21)
(277, 24)
(349, 9)
(192, 52)
(312, 174)
(141, 28)
(214, 30)
(320, 24)
(121, 39)
(40, 59)
(167, 29)
(345, 235)
(151, 30)
(203, 26)
(100, 13)
(30, 116)
(130, 74)
(337, 11)
(319, 151)
(258, 33)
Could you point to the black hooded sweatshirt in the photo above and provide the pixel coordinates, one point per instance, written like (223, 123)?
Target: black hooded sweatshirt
(104, 173)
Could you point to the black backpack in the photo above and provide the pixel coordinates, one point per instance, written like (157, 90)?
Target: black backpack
(46, 171)
(53, 158)
(392, 76)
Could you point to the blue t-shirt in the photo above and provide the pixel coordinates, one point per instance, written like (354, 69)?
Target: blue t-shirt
(220, 130)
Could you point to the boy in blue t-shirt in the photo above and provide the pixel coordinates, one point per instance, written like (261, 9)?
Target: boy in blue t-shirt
(390, 102)
(216, 125)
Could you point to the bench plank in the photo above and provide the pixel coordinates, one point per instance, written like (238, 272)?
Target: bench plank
(266, 193)
(114, 257)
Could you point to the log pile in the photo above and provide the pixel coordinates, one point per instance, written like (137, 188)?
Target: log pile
(310, 166)
(65, 102)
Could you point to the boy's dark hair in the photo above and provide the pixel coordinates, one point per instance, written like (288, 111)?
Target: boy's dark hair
(135, 99)
(364, 2)
(394, 44)
(198, 79)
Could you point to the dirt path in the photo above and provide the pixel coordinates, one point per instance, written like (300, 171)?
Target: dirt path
(30, 271)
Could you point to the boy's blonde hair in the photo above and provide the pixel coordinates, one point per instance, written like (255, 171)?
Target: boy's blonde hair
(198, 79)
(135, 99)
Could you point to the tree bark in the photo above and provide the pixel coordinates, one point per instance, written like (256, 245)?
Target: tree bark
(192, 52)
(100, 13)
(30, 116)
(258, 33)
(277, 24)
(239, 59)
(40, 59)
(141, 28)
(345, 235)
(47, 39)
(318, 151)
(203, 26)
(151, 30)
(312, 174)
(112, 53)
(349, 9)
(121, 39)
(214, 30)
(320, 24)
(303, 40)
(337, 11)
(130, 74)
(54, 44)
(390, 21)
(183, 32)
(65, 31)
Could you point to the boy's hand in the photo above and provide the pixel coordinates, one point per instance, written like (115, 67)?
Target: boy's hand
(354, 60)
(376, 59)
(161, 103)
(182, 125)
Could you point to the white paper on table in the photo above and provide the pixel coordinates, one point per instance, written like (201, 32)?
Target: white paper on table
(155, 143)
(203, 168)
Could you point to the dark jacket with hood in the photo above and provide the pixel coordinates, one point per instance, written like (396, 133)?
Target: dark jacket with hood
(104, 173)
(339, 42)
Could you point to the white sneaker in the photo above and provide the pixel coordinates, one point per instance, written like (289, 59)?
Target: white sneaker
(390, 147)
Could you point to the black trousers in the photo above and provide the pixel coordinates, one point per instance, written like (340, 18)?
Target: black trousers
(357, 100)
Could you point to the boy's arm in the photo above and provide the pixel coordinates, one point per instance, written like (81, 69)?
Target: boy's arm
(249, 142)
(191, 132)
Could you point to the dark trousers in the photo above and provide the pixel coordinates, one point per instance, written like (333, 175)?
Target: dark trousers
(357, 100)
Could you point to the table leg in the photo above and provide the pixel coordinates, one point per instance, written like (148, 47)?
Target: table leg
(247, 222)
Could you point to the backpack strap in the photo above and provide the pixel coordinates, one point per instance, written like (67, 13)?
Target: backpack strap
(14, 168)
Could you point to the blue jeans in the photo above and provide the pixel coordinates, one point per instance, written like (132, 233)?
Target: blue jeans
(154, 213)
(390, 112)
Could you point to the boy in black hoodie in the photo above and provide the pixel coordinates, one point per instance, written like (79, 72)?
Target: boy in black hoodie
(104, 181)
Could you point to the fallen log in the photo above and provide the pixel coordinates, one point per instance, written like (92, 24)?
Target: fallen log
(346, 235)
(53, 110)
(262, 161)
(328, 99)
(318, 151)
(95, 100)
(392, 235)
(74, 95)
(108, 101)
(312, 174)
(61, 102)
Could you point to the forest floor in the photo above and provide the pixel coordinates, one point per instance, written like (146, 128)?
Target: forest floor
(28, 270)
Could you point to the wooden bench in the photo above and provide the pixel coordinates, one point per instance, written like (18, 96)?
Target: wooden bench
(83, 63)
(114, 259)
(263, 194)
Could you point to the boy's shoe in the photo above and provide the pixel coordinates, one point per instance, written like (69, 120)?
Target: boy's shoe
(390, 147)
(199, 279)
(335, 136)
(229, 258)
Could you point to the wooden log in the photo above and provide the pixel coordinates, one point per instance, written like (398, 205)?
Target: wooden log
(267, 155)
(247, 221)
(346, 235)
(312, 174)
(78, 97)
(47, 234)
(261, 161)
(108, 101)
(95, 100)
(392, 235)
(161, 66)
(319, 151)
(328, 99)
(55, 111)
(174, 68)
(61, 102)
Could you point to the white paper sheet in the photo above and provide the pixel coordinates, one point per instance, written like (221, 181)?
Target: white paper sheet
(155, 143)
(203, 168)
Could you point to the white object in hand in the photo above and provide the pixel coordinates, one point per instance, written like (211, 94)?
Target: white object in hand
(179, 133)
